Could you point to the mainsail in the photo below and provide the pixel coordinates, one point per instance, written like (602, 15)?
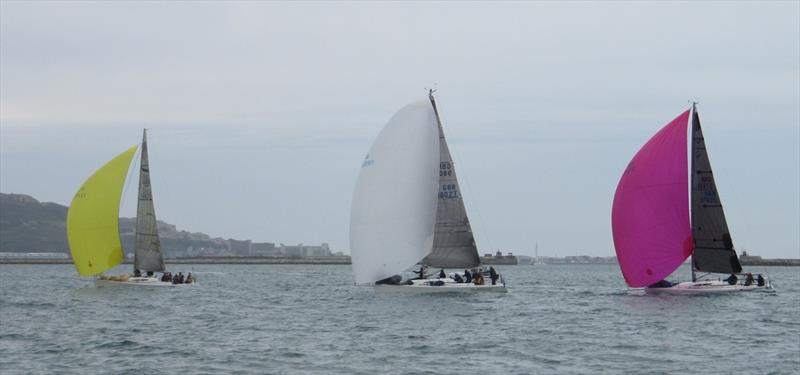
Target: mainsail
(147, 253)
(650, 214)
(713, 247)
(453, 242)
(393, 210)
(93, 217)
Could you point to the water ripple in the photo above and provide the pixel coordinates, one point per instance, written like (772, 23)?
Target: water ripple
(279, 319)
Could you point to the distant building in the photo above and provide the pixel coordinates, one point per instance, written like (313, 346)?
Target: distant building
(322, 250)
(263, 249)
(237, 247)
(292, 250)
(301, 250)
(499, 259)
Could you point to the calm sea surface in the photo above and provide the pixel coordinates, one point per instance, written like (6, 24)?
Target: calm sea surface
(311, 319)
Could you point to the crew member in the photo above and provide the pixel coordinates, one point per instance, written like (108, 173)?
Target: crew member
(493, 275)
(421, 272)
(478, 279)
(748, 280)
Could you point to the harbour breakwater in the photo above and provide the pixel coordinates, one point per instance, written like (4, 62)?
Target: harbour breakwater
(759, 261)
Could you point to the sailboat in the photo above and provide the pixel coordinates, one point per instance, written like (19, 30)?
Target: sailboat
(536, 260)
(407, 208)
(93, 223)
(661, 216)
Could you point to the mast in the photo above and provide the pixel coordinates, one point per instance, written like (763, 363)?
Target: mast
(453, 242)
(147, 251)
(691, 168)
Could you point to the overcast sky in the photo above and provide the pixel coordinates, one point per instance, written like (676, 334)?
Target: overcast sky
(261, 112)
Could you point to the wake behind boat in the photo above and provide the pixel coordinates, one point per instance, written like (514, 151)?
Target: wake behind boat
(407, 209)
(93, 226)
(654, 230)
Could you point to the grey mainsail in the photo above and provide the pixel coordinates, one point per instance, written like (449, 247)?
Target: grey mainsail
(147, 253)
(453, 242)
(713, 247)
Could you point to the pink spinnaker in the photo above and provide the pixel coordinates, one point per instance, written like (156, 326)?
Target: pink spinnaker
(650, 215)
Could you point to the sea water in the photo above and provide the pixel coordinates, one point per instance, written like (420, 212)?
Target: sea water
(278, 319)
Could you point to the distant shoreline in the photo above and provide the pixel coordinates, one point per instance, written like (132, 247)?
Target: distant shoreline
(206, 260)
(343, 260)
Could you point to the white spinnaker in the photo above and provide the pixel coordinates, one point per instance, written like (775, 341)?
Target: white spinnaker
(393, 212)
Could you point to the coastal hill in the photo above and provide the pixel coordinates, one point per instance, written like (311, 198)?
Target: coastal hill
(27, 225)
(30, 226)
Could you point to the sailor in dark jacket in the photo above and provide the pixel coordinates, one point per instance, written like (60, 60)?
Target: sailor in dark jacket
(661, 284)
(493, 275)
(732, 279)
(421, 272)
(467, 276)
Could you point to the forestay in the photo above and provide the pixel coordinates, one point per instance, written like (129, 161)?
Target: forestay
(147, 254)
(713, 247)
(453, 241)
(394, 203)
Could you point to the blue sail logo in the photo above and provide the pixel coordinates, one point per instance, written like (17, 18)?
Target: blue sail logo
(367, 162)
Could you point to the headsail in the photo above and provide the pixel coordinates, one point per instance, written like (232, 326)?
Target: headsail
(394, 202)
(93, 217)
(147, 254)
(713, 247)
(650, 214)
(453, 242)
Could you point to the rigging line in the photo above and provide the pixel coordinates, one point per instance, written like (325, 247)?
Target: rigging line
(133, 167)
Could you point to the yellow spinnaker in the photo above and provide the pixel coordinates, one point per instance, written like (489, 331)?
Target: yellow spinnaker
(93, 217)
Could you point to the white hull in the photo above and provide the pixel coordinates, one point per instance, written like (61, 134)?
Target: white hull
(136, 281)
(449, 286)
(706, 287)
